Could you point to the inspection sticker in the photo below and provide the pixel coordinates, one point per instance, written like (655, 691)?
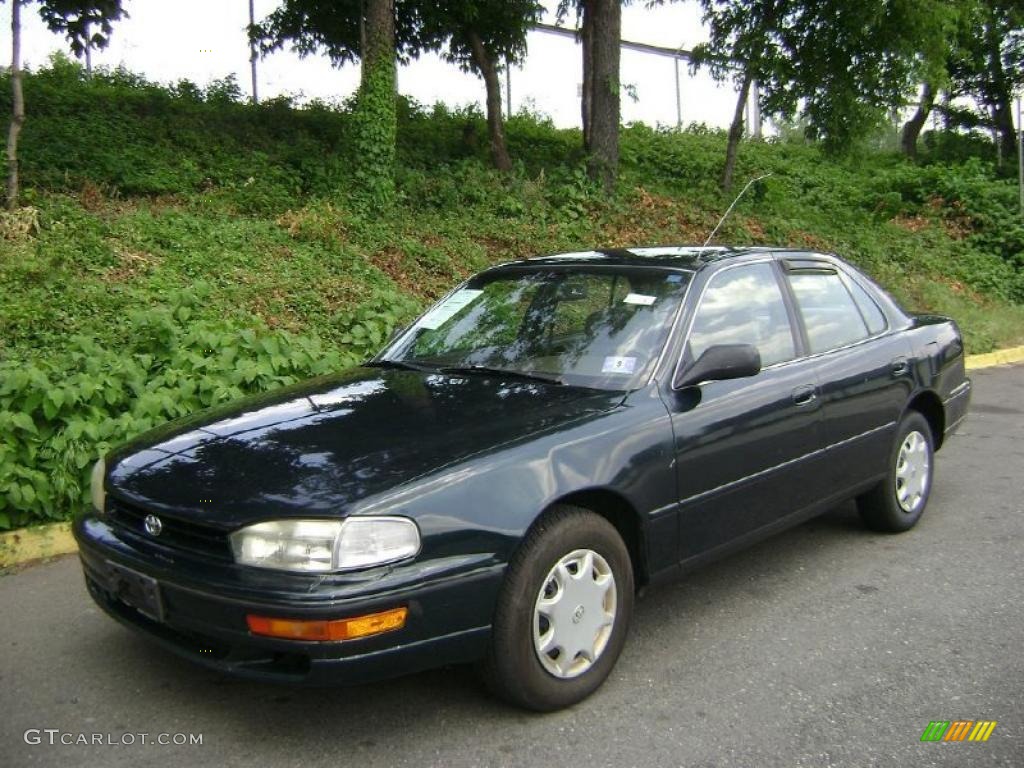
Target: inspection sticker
(448, 308)
(639, 298)
(614, 364)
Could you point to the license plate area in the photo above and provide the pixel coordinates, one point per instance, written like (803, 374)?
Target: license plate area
(135, 589)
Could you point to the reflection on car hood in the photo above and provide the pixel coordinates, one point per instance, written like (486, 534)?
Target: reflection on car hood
(320, 446)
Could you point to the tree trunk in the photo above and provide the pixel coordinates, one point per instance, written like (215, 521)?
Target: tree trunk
(18, 116)
(374, 118)
(252, 54)
(1002, 118)
(913, 126)
(88, 51)
(606, 31)
(379, 41)
(495, 124)
(1000, 96)
(736, 132)
(586, 89)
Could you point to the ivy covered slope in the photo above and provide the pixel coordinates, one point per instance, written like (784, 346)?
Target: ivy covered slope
(190, 248)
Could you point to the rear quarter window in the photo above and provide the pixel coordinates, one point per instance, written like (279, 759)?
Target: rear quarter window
(829, 312)
(873, 316)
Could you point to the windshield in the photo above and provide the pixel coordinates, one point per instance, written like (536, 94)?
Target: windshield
(601, 327)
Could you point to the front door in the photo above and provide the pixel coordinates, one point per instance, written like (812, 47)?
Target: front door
(748, 451)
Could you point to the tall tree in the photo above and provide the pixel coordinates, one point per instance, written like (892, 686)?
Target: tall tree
(912, 128)
(935, 55)
(478, 35)
(379, 33)
(856, 62)
(600, 30)
(744, 45)
(86, 24)
(603, 18)
(986, 63)
(18, 115)
(841, 65)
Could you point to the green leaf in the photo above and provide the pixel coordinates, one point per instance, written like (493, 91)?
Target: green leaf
(24, 422)
(56, 396)
(49, 409)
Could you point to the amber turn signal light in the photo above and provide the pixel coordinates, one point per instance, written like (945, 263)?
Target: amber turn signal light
(334, 629)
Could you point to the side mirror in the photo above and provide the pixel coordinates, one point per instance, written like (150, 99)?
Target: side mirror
(720, 362)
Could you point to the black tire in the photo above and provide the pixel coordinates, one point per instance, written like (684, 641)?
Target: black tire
(513, 669)
(880, 508)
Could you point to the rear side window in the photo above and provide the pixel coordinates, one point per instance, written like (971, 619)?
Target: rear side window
(872, 314)
(830, 314)
(744, 305)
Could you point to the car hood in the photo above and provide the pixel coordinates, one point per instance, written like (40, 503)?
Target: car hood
(320, 447)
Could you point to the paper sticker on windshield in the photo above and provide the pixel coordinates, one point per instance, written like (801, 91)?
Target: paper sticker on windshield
(639, 298)
(448, 308)
(614, 364)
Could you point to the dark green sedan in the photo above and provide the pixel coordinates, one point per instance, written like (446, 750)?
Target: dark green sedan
(496, 485)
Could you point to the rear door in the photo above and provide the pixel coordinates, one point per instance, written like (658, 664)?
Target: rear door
(747, 450)
(863, 371)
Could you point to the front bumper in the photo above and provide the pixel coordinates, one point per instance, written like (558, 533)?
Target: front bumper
(204, 607)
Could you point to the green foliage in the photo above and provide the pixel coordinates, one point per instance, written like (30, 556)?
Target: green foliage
(840, 65)
(58, 415)
(85, 23)
(374, 128)
(501, 25)
(117, 130)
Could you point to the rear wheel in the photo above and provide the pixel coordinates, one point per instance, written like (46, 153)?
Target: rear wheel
(563, 612)
(897, 502)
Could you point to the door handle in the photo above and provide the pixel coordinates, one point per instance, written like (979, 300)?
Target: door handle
(899, 366)
(805, 395)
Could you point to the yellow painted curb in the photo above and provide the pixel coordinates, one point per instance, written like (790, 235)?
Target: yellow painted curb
(35, 543)
(999, 357)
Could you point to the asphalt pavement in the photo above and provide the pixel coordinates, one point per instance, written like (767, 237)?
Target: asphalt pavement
(824, 646)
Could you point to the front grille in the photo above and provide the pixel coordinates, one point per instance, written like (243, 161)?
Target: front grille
(176, 533)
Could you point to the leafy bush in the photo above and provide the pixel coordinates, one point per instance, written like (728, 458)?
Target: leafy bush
(58, 415)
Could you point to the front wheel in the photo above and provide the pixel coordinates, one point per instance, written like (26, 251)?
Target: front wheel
(563, 612)
(897, 502)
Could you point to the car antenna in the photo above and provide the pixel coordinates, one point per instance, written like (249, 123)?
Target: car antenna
(729, 209)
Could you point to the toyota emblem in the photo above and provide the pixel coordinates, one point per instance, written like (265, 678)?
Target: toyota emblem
(153, 525)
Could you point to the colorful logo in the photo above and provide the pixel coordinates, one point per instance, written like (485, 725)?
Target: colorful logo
(958, 730)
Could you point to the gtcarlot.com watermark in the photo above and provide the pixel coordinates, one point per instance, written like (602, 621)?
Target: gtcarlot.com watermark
(57, 737)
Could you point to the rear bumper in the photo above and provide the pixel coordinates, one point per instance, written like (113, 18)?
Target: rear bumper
(956, 406)
(204, 608)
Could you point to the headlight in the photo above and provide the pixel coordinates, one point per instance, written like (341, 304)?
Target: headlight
(326, 545)
(99, 496)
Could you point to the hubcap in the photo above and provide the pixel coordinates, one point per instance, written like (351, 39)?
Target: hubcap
(574, 613)
(912, 468)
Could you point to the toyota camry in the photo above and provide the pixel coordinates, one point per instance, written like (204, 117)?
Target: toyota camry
(497, 485)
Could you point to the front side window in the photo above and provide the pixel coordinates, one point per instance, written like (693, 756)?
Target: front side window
(744, 305)
(601, 327)
(830, 315)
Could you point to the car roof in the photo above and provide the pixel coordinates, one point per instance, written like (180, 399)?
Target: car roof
(688, 257)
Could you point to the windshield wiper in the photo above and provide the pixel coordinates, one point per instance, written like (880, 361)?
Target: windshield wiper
(509, 372)
(402, 364)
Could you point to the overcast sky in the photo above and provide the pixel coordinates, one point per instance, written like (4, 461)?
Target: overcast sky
(205, 39)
